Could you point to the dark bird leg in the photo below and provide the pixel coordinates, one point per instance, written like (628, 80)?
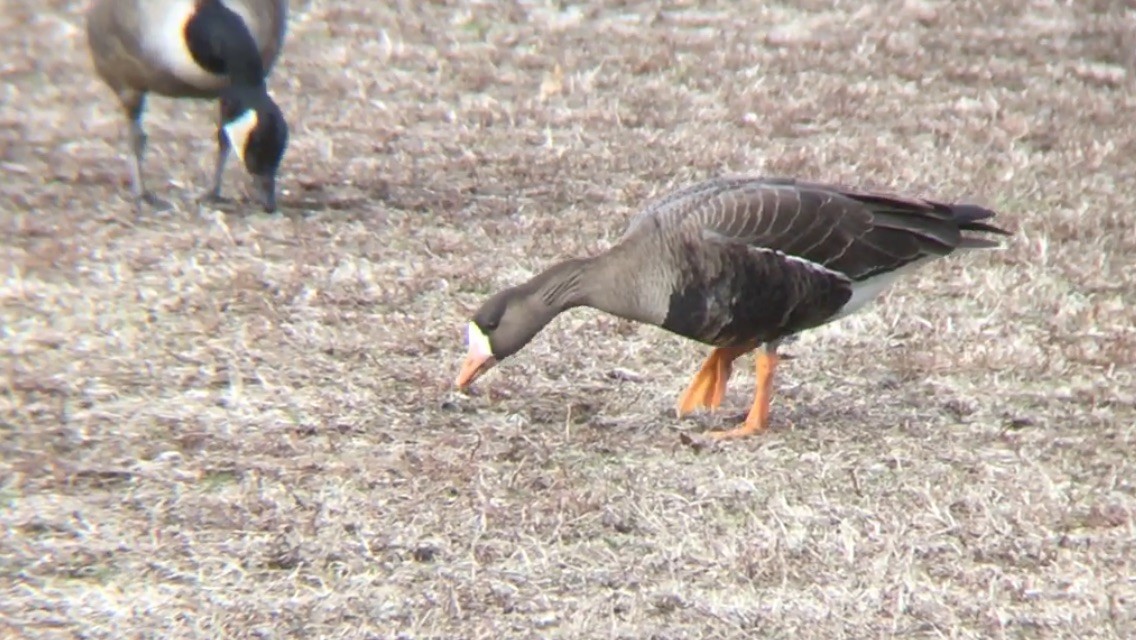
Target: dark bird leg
(223, 146)
(709, 385)
(758, 418)
(135, 104)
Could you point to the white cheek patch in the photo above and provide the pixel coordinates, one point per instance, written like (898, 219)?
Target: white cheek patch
(165, 43)
(479, 342)
(239, 130)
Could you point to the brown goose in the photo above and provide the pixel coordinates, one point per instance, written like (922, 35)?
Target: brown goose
(735, 263)
(197, 49)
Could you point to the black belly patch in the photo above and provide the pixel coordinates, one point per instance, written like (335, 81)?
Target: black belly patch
(744, 296)
(687, 312)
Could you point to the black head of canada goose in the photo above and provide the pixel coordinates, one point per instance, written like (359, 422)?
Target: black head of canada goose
(197, 49)
(738, 264)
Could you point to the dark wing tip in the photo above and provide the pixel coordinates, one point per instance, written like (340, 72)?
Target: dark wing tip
(969, 218)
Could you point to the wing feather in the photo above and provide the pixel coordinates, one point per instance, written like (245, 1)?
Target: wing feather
(857, 234)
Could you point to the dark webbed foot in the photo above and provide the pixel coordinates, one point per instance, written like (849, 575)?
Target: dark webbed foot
(147, 200)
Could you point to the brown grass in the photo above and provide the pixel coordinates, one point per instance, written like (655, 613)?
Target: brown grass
(229, 424)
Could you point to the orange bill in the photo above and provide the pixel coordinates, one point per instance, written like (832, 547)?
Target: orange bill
(478, 359)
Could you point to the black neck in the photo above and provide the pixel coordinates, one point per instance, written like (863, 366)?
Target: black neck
(221, 43)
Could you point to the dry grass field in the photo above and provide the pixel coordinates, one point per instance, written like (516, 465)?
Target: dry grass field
(228, 424)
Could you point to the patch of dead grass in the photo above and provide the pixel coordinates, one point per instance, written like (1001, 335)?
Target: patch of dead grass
(235, 425)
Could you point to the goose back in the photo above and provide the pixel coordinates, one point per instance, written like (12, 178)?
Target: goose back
(140, 45)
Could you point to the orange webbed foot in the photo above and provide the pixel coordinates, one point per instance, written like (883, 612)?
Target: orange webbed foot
(708, 387)
(758, 418)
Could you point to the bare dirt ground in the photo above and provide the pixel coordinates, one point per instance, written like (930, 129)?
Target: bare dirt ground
(227, 424)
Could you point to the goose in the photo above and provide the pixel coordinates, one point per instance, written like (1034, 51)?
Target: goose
(740, 264)
(200, 49)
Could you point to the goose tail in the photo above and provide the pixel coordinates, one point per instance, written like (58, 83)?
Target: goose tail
(970, 217)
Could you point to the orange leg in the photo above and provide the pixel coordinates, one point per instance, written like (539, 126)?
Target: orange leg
(758, 418)
(709, 385)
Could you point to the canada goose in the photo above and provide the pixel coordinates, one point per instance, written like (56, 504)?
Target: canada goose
(197, 49)
(735, 263)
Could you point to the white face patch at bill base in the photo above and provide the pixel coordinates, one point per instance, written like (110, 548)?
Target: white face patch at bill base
(239, 130)
(478, 342)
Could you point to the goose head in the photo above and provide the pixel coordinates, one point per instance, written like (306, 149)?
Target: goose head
(255, 128)
(502, 326)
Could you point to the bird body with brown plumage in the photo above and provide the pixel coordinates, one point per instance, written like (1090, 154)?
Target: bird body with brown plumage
(197, 49)
(739, 264)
